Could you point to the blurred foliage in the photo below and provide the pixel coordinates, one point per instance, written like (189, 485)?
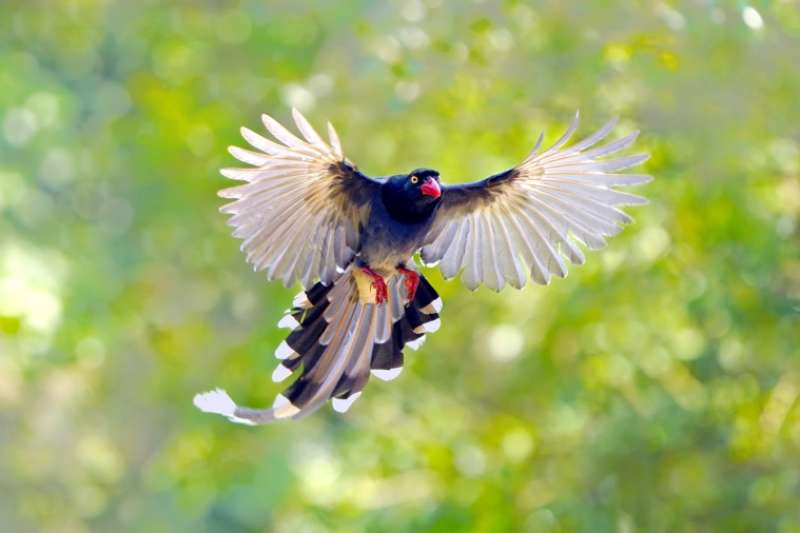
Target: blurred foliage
(655, 389)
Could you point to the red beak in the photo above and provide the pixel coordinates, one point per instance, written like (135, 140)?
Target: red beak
(431, 188)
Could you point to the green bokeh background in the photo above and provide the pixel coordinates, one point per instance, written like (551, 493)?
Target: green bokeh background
(654, 389)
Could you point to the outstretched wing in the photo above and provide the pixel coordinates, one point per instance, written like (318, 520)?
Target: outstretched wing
(528, 218)
(300, 211)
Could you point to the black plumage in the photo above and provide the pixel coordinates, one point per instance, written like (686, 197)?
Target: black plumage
(306, 213)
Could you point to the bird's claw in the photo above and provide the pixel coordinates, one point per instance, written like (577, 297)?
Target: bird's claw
(378, 284)
(381, 292)
(411, 282)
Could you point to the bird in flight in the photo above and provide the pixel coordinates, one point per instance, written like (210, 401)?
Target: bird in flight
(306, 213)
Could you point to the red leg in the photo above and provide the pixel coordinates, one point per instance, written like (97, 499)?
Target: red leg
(381, 292)
(412, 282)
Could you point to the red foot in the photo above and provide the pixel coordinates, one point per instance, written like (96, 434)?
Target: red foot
(381, 292)
(412, 282)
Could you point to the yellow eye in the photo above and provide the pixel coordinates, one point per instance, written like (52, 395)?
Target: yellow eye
(414, 180)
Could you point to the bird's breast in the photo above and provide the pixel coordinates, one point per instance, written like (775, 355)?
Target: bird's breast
(386, 242)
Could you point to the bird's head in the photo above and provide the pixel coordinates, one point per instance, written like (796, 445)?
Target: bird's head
(423, 184)
(414, 195)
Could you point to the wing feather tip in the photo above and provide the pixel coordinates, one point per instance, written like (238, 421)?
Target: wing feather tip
(639, 158)
(634, 199)
(227, 194)
(229, 172)
(270, 123)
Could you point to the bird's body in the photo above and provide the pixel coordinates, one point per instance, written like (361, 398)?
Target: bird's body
(393, 234)
(306, 213)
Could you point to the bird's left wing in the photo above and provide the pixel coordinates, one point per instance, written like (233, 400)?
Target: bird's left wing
(528, 218)
(300, 211)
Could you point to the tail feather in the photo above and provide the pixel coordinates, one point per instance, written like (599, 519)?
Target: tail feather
(325, 371)
(383, 324)
(427, 299)
(356, 374)
(387, 357)
(303, 339)
(336, 343)
(317, 293)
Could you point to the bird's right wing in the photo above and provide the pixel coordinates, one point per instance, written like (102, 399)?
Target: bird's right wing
(301, 207)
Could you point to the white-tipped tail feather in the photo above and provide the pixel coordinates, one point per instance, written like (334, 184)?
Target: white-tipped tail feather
(218, 402)
(433, 307)
(416, 343)
(301, 301)
(433, 326)
(341, 405)
(386, 375)
(428, 327)
(288, 322)
(335, 348)
(280, 373)
(284, 351)
(283, 408)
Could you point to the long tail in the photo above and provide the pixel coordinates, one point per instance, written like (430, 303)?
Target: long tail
(335, 344)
